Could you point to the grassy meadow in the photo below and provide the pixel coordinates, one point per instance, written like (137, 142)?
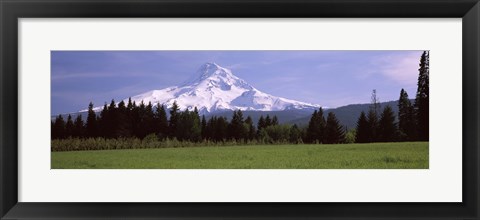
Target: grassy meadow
(403, 155)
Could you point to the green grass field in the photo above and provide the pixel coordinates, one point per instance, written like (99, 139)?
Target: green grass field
(407, 155)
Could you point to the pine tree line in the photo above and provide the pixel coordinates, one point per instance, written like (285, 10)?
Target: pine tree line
(413, 120)
(114, 121)
(138, 121)
(327, 131)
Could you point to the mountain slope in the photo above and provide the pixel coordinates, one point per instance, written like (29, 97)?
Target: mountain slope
(217, 89)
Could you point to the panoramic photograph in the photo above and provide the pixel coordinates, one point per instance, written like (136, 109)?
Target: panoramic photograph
(240, 109)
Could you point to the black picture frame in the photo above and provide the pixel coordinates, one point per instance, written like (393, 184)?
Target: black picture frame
(12, 10)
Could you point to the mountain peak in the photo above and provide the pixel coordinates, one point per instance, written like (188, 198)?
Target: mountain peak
(211, 64)
(211, 68)
(215, 88)
(209, 71)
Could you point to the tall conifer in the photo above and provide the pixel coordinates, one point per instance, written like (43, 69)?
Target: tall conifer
(387, 131)
(161, 122)
(251, 128)
(268, 121)
(422, 98)
(204, 127)
(260, 124)
(221, 129)
(91, 126)
(172, 125)
(362, 133)
(312, 128)
(78, 127)
(316, 127)
(69, 127)
(274, 120)
(237, 129)
(334, 132)
(58, 131)
(123, 124)
(406, 118)
(372, 122)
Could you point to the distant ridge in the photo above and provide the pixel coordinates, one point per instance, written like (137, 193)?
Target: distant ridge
(348, 115)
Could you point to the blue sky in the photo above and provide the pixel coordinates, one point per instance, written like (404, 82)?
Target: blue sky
(328, 78)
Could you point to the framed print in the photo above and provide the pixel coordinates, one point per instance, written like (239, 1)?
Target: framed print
(227, 109)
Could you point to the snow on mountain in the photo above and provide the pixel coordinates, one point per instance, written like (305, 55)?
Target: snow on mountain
(215, 89)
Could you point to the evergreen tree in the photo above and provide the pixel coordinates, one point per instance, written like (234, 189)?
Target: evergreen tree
(69, 127)
(334, 132)
(250, 128)
(406, 117)
(141, 130)
(149, 119)
(183, 125)
(316, 127)
(112, 105)
(78, 127)
(129, 104)
(161, 122)
(53, 135)
(103, 122)
(422, 98)
(196, 134)
(274, 120)
(112, 121)
(129, 117)
(268, 121)
(122, 117)
(58, 130)
(91, 126)
(372, 121)
(313, 128)
(237, 129)
(204, 127)
(362, 133)
(221, 129)
(261, 124)
(135, 120)
(322, 125)
(387, 126)
(210, 129)
(173, 118)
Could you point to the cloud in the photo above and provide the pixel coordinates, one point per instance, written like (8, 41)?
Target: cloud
(400, 68)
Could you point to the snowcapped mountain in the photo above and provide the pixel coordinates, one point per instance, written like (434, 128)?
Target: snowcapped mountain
(215, 88)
